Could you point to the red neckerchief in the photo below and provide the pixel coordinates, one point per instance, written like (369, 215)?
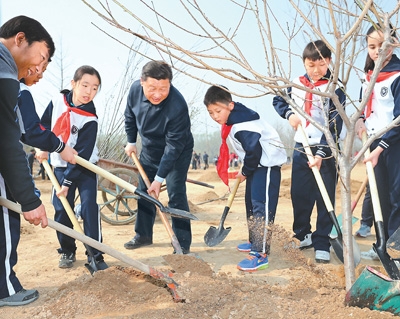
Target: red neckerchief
(381, 77)
(223, 159)
(306, 82)
(63, 123)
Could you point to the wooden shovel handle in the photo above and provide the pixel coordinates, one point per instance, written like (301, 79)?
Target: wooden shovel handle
(105, 174)
(376, 204)
(233, 192)
(163, 217)
(315, 170)
(63, 199)
(359, 193)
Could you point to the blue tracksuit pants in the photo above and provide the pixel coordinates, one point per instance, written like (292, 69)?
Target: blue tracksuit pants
(87, 187)
(262, 193)
(305, 194)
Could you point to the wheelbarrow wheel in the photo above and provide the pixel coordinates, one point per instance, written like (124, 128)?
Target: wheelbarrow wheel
(119, 206)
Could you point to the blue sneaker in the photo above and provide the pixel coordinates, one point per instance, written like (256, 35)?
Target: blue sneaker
(254, 261)
(245, 247)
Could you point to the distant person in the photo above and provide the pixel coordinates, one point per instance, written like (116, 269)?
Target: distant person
(205, 160)
(71, 115)
(304, 189)
(167, 148)
(24, 46)
(31, 159)
(255, 141)
(194, 160)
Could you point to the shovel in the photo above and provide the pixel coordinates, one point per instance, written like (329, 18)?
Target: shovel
(214, 236)
(375, 291)
(337, 242)
(167, 278)
(380, 245)
(122, 183)
(172, 236)
(393, 245)
(92, 265)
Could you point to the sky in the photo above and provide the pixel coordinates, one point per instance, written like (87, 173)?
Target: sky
(71, 25)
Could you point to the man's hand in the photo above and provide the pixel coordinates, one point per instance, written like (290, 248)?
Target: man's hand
(294, 121)
(41, 155)
(154, 187)
(68, 154)
(37, 216)
(129, 149)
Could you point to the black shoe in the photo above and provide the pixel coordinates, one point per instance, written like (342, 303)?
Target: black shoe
(184, 251)
(66, 260)
(137, 243)
(22, 297)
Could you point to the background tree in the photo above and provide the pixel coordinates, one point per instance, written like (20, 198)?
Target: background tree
(254, 45)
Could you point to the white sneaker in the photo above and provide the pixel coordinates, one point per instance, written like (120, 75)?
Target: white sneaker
(306, 242)
(370, 254)
(322, 256)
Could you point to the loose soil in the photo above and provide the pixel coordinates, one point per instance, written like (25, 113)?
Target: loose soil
(293, 286)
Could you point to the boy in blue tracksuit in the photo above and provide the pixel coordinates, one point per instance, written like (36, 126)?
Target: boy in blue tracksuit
(259, 147)
(304, 190)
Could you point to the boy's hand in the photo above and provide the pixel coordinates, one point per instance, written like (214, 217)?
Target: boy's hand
(241, 176)
(316, 161)
(294, 121)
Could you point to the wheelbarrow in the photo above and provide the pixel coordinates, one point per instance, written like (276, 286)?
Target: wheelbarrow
(375, 291)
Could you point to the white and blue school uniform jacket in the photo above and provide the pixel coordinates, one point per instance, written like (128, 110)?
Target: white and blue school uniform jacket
(259, 146)
(320, 106)
(385, 105)
(82, 136)
(385, 108)
(254, 140)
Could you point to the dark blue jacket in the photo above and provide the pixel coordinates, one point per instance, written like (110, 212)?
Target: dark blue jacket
(164, 128)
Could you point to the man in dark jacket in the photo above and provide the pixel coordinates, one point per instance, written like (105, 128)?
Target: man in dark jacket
(24, 47)
(159, 113)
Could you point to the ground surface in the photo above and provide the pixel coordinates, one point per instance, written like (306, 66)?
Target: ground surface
(292, 287)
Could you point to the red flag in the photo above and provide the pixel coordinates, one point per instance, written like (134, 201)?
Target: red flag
(223, 159)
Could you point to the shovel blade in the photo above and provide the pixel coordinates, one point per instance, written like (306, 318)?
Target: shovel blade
(215, 236)
(388, 263)
(393, 245)
(178, 213)
(337, 246)
(375, 291)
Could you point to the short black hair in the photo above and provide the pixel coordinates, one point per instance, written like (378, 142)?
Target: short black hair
(316, 50)
(158, 70)
(217, 94)
(33, 30)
